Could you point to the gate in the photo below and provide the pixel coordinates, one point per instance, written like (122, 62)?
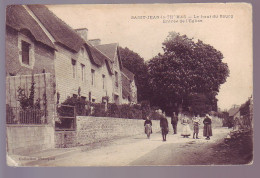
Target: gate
(65, 118)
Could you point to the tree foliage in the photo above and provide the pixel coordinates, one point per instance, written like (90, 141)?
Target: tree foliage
(136, 64)
(186, 69)
(27, 102)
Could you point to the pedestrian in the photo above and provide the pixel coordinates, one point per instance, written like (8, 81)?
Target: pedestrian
(148, 121)
(186, 128)
(207, 131)
(164, 126)
(196, 123)
(174, 122)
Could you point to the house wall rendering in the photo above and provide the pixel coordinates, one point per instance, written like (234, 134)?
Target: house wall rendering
(40, 56)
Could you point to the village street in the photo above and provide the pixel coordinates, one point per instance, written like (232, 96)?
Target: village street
(138, 150)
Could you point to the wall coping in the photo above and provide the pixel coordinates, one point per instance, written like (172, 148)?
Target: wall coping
(107, 118)
(27, 125)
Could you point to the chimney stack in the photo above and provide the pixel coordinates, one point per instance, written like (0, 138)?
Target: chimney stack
(83, 32)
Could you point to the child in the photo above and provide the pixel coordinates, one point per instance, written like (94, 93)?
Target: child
(196, 127)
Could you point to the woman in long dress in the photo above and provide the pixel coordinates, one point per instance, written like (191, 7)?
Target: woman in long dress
(207, 130)
(186, 128)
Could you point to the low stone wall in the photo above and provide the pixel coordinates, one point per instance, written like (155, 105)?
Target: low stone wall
(23, 139)
(65, 139)
(94, 129)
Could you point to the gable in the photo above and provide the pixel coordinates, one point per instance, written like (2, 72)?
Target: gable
(19, 19)
(98, 59)
(111, 52)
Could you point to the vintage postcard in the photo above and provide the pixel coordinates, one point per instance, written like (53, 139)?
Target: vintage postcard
(129, 84)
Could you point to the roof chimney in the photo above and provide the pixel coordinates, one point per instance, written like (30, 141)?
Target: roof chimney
(83, 32)
(95, 42)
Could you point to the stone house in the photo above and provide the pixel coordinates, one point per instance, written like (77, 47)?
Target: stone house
(28, 47)
(234, 116)
(40, 41)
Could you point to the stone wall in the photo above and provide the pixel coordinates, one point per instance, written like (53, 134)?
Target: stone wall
(65, 139)
(23, 139)
(94, 129)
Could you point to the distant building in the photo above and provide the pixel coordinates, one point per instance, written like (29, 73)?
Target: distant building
(233, 114)
(129, 87)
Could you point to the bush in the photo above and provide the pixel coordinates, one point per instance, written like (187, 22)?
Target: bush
(117, 111)
(154, 115)
(98, 110)
(84, 108)
(130, 112)
(146, 110)
(113, 110)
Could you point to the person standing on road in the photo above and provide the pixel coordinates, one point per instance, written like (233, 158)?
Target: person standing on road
(207, 131)
(174, 122)
(164, 126)
(148, 121)
(186, 128)
(196, 123)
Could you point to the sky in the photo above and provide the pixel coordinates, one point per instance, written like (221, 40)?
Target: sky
(143, 27)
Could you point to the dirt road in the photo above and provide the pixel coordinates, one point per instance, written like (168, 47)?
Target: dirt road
(139, 150)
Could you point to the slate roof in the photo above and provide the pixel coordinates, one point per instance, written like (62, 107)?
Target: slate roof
(18, 18)
(126, 89)
(128, 73)
(98, 58)
(233, 111)
(60, 31)
(110, 50)
(67, 36)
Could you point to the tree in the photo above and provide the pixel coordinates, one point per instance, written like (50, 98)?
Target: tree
(136, 64)
(186, 68)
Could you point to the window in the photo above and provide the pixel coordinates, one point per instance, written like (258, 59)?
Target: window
(74, 68)
(116, 79)
(104, 81)
(92, 77)
(83, 72)
(25, 53)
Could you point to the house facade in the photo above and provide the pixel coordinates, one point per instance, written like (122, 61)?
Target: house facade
(60, 62)
(41, 42)
(28, 48)
(129, 90)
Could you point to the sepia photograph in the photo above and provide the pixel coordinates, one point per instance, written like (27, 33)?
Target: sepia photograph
(129, 85)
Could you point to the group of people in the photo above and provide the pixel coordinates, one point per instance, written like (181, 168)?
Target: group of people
(185, 121)
(186, 131)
